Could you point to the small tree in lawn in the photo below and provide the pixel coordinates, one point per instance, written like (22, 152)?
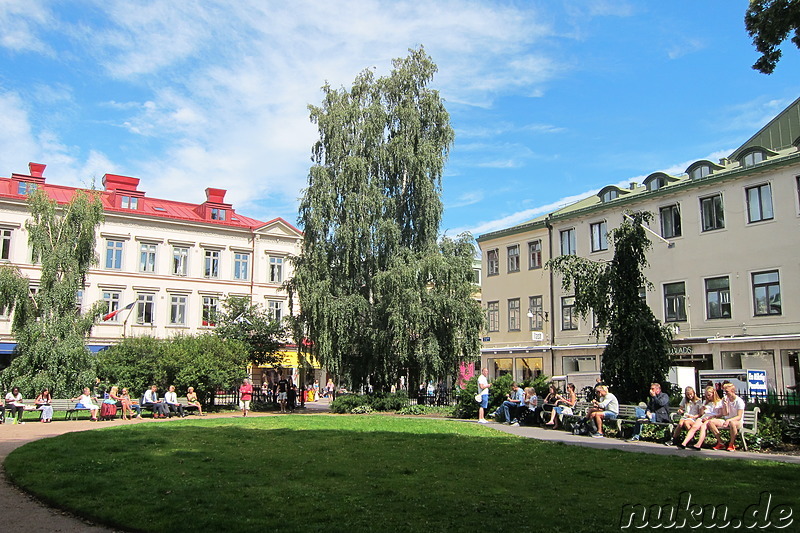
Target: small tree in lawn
(637, 345)
(259, 332)
(49, 328)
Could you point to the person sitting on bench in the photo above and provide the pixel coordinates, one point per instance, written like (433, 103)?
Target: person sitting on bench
(732, 414)
(171, 399)
(657, 410)
(151, 401)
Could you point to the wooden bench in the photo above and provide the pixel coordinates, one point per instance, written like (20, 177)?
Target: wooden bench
(627, 415)
(578, 412)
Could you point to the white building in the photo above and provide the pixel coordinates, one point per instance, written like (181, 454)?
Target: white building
(174, 261)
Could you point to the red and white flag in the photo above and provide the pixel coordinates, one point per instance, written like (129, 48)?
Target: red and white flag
(112, 314)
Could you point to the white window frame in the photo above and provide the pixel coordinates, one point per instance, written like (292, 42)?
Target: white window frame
(180, 261)
(211, 261)
(241, 266)
(178, 307)
(599, 234)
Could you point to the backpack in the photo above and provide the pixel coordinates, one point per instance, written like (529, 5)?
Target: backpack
(584, 427)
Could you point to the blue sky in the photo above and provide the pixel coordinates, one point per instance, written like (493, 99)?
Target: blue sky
(550, 100)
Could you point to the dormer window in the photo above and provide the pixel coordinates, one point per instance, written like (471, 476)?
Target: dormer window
(25, 187)
(217, 214)
(752, 158)
(129, 202)
(656, 183)
(609, 195)
(700, 172)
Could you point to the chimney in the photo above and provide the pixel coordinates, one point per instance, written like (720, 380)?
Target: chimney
(36, 169)
(215, 196)
(633, 185)
(724, 161)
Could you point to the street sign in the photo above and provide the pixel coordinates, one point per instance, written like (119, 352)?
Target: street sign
(537, 335)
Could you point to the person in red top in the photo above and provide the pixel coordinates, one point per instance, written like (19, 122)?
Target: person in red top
(245, 395)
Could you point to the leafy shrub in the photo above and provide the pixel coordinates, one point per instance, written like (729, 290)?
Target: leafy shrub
(413, 410)
(346, 402)
(426, 410)
(791, 432)
(467, 407)
(388, 401)
(361, 410)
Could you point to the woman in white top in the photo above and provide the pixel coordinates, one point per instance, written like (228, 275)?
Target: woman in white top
(712, 406)
(14, 405)
(690, 409)
(85, 401)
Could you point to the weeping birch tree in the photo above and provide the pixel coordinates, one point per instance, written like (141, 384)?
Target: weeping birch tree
(379, 296)
(49, 328)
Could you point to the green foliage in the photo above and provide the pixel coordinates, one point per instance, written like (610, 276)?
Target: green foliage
(206, 362)
(378, 296)
(362, 410)
(242, 320)
(345, 403)
(791, 433)
(467, 407)
(770, 23)
(770, 432)
(637, 345)
(49, 328)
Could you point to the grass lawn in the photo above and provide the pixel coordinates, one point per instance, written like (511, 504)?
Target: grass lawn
(366, 473)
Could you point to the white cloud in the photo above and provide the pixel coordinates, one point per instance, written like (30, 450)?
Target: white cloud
(685, 47)
(466, 199)
(19, 20)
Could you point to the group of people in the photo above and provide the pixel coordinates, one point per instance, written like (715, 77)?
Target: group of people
(13, 406)
(696, 416)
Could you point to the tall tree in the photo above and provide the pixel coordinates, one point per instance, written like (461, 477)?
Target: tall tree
(637, 345)
(49, 328)
(379, 297)
(770, 23)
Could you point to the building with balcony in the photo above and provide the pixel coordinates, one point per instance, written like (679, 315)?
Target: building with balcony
(724, 264)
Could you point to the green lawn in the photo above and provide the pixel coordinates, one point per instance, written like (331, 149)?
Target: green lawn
(366, 473)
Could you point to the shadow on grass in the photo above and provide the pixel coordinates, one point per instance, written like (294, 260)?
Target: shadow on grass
(362, 474)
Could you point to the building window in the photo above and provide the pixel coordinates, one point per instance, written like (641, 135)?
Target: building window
(568, 318)
(584, 363)
(210, 310)
(129, 202)
(145, 308)
(79, 301)
(217, 214)
(5, 244)
(599, 232)
(177, 310)
(607, 197)
(241, 266)
(718, 298)
(513, 315)
(114, 254)
(25, 187)
(535, 254)
(568, 242)
(536, 309)
(147, 257)
(670, 221)
(752, 158)
(700, 172)
(275, 269)
(493, 316)
(112, 299)
(712, 213)
(759, 203)
(766, 293)
(211, 267)
(675, 302)
(492, 262)
(656, 183)
(513, 258)
(180, 261)
(275, 309)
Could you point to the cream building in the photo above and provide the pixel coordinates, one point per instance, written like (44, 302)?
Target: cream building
(725, 256)
(173, 261)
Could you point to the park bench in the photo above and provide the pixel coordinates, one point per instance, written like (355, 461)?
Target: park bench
(627, 415)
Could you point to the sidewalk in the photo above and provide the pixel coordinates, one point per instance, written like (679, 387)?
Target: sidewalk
(557, 435)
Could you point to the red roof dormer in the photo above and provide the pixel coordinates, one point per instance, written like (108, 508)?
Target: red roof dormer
(215, 208)
(25, 183)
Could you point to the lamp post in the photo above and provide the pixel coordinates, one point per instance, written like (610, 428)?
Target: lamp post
(541, 314)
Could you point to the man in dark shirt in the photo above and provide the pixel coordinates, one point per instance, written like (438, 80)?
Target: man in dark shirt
(657, 409)
(283, 390)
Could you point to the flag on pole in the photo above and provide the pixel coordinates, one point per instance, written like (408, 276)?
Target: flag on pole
(112, 314)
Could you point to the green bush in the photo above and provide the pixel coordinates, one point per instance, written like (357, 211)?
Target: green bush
(346, 402)
(467, 407)
(418, 410)
(791, 432)
(388, 401)
(362, 410)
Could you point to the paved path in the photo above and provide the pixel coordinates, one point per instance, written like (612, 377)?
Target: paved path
(555, 435)
(30, 516)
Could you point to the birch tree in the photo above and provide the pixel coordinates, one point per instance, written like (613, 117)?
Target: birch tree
(379, 296)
